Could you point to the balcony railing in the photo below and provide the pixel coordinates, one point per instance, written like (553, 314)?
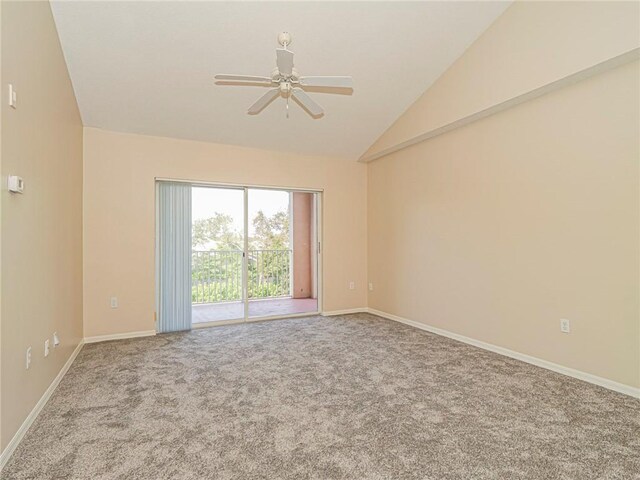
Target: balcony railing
(217, 275)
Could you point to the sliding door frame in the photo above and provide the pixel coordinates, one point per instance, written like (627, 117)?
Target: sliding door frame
(245, 255)
(318, 196)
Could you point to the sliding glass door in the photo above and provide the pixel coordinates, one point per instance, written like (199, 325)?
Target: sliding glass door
(282, 255)
(217, 254)
(254, 254)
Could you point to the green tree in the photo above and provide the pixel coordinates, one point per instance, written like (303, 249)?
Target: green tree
(271, 233)
(216, 275)
(217, 230)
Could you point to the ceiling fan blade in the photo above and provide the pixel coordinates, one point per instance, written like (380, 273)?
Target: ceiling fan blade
(305, 100)
(243, 78)
(284, 60)
(263, 101)
(337, 82)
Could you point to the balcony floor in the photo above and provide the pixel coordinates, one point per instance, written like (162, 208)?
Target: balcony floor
(216, 312)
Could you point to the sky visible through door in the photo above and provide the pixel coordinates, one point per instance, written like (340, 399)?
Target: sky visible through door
(208, 201)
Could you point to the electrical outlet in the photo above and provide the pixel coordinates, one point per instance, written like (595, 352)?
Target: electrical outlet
(565, 325)
(28, 358)
(56, 340)
(114, 302)
(371, 286)
(46, 347)
(352, 285)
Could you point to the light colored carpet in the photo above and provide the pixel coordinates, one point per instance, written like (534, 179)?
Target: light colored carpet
(349, 397)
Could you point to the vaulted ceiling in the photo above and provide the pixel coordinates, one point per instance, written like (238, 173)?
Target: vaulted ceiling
(147, 67)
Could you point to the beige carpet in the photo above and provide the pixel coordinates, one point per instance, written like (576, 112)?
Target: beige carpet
(352, 397)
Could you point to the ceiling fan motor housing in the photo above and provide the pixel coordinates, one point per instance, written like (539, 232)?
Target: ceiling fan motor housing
(276, 76)
(285, 88)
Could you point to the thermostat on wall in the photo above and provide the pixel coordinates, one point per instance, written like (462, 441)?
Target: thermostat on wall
(16, 184)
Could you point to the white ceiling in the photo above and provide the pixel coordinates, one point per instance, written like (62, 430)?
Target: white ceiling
(147, 67)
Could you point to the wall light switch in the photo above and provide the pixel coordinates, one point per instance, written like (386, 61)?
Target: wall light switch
(565, 325)
(15, 184)
(371, 286)
(56, 339)
(352, 285)
(46, 347)
(114, 302)
(13, 97)
(28, 358)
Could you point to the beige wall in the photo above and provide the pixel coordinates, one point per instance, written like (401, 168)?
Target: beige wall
(510, 223)
(41, 229)
(119, 211)
(531, 45)
(499, 229)
(2, 443)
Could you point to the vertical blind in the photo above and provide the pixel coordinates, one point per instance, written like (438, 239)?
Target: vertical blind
(174, 256)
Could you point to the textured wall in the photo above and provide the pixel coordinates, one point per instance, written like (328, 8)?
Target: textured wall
(119, 214)
(501, 228)
(41, 229)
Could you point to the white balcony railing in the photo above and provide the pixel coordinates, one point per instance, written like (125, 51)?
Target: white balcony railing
(216, 275)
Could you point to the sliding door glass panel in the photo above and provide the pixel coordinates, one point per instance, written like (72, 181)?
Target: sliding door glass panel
(281, 256)
(217, 254)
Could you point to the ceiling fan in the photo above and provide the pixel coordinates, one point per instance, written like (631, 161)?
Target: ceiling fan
(287, 83)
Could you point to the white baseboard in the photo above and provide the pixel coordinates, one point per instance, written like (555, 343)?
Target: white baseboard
(587, 377)
(17, 438)
(332, 313)
(119, 336)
